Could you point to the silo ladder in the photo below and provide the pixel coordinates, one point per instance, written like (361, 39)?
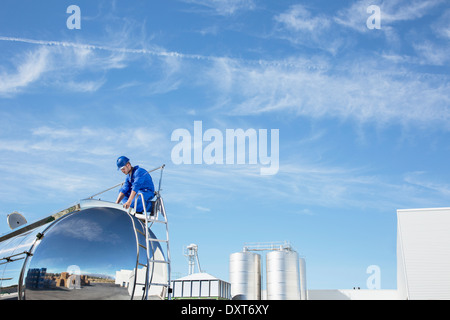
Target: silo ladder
(156, 216)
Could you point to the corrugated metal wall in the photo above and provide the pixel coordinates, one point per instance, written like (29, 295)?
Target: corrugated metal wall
(423, 257)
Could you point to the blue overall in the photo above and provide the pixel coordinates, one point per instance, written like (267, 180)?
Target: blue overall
(139, 181)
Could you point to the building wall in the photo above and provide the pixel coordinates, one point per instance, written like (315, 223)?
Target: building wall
(344, 294)
(423, 257)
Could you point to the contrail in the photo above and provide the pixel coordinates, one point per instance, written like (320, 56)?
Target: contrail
(107, 48)
(162, 53)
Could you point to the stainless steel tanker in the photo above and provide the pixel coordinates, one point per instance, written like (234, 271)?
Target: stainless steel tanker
(92, 250)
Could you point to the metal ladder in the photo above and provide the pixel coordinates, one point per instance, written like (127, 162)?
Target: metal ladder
(147, 220)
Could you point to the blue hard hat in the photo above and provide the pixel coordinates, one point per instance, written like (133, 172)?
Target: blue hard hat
(121, 162)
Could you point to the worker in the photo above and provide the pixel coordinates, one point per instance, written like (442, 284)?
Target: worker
(138, 180)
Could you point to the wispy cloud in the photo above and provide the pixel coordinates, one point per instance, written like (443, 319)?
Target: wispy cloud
(27, 71)
(441, 26)
(305, 184)
(392, 11)
(63, 61)
(72, 161)
(403, 10)
(57, 182)
(307, 26)
(56, 64)
(87, 230)
(423, 181)
(432, 54)
(84, 86)
(99, 141)
(199, 208)
(298, 18)
(301, 27)
(144, 51)
(366, 91)
(225, 7)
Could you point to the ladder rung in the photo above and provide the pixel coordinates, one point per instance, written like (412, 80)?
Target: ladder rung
(157, 221)
(140, 232)
(157, 240)
(142, 246)
(158, 261)
(150, 220)
(159, 284)
(154, 284)
(154, 261)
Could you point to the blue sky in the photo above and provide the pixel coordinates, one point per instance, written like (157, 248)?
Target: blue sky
(363, 118)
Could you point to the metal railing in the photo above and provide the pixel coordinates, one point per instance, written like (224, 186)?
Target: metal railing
(157, 215)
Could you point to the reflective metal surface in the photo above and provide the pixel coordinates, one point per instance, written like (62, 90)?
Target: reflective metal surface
(91, 254)
(245, 276)
(283, 282)
(16, 247)
(303, 288)
(13, 253)
(92, 250)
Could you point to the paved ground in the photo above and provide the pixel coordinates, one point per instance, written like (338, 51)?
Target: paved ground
(95, 291)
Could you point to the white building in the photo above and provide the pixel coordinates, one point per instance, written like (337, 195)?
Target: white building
(201, 286)
(423, 260)
(353, 294)
(423, 254)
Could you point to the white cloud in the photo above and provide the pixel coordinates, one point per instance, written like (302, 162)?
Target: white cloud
(119, 52)
(225, 7)
(392, 11)
(94, 141)
(304, 184)
(88, 230)
(199, 208)
(84, 86)
(432, 54)
(45, 179)
(365, 91)
(29, 70)
(81, 147)
(13, 145)
(423, 181)
(403, 10)
(59, 63)
(301, 27)
(442, 26)
(298, 18)
(66, 164)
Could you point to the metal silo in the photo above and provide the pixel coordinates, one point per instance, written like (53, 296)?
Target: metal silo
(245, 276)
(303, 288)
(283, 282)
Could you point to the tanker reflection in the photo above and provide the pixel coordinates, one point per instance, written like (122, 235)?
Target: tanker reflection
(80, 256)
